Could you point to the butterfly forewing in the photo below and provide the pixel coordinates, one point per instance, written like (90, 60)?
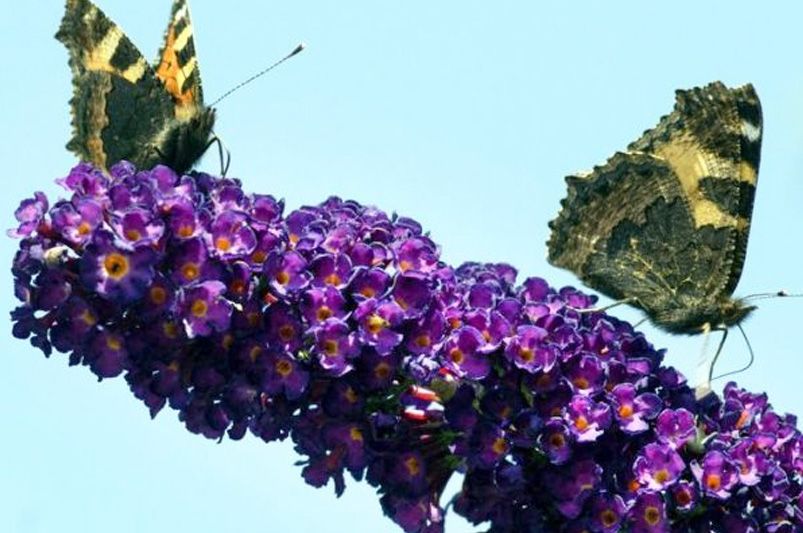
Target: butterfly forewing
(665, 224)
(122, 108)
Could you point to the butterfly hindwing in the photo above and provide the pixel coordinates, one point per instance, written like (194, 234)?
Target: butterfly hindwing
(665, 225)
(121, 108)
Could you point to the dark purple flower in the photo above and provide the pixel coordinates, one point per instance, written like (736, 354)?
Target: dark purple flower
(412, 292)
(658, 466)
(716, 475)
(377, 321)
(282, 374)
(115, 271)
(556, 440)
(462, 354)
(684, 495)
(633, 411)
(138, 227)
(528, 351)
(321, 303)
(29, 214)
(335, 345)
(675, 427)
(107, 355)
(77, 223)
(332, 270)
(369, 283)
(587, 418)
(607, 512)
(204, 310)
(426, 335)
(648, 514)
(230, 235)
(287, 272)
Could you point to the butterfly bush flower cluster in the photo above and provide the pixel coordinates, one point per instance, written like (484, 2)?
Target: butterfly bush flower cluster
(339, 327)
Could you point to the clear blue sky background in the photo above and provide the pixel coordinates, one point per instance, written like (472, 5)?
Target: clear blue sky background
(464, 115)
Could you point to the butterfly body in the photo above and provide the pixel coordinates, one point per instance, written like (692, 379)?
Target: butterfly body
(125, 109)
(664, 225)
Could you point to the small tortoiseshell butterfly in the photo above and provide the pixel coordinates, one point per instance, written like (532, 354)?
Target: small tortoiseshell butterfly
(125, 109)
(664, 225)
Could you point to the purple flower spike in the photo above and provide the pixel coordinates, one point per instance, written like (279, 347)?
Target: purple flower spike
(204, 310)
(463, 356)
(587, 419)
(631, 411)
(338, 326)
(29, 214)
(658, 466)
(716, 475)
(648, 514)
(116, 272)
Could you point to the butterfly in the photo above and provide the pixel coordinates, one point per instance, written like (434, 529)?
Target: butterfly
(125, 109)
(664, 225)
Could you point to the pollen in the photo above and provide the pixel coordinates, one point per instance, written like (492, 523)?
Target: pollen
(223, 244)
(190, 271)
(158, 295)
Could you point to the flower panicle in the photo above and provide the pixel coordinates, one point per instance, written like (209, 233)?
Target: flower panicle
(340, 327)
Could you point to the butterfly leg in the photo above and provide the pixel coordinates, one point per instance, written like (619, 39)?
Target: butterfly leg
(225, 161)
(706, 364)
(628, 301)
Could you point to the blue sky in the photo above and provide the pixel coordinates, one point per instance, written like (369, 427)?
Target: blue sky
(464, 115)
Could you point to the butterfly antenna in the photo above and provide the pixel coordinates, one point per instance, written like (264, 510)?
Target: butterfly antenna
(749, 349)
(777, 294)
(297, 49)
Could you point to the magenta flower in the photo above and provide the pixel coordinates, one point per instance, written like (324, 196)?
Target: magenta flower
(632, 411)
(658, 466)
(116, 271)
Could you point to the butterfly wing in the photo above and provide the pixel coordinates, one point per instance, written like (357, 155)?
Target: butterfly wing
(177, 64)
(119, 105)
(666, 224)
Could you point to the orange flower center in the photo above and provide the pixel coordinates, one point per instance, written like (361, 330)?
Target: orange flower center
(185, 231)
(375, 324)
(283, 278)
(323, 313)
(713, 481)
(413, 466)
(456, 355)
(652, 515)
(158, 295)
(199, 308)
(332, 279)
(286, 332)
(284, 367)
(190, 271)
(626, 411)
(84, 228)
(662, 475)
(114, 342)
(526, 354)
(423, 341)
(607, 517)
(330, 347)
(132, 234)
(223, 243)
(382, 370)
(581, 423)
(116, 265)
